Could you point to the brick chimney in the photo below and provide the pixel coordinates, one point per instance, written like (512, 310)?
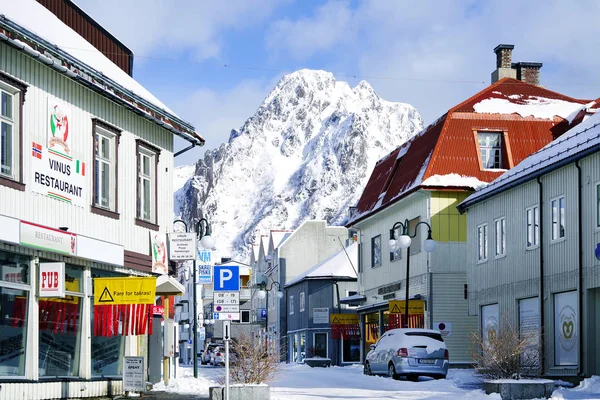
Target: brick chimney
(503, 63)
(528, 72)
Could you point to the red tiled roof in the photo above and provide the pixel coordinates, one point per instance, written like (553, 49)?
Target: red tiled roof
(448, 146)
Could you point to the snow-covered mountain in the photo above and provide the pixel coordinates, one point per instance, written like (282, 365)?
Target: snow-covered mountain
(181, 176)
(306, 153)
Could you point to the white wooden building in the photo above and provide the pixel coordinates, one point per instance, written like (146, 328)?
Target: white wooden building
(85, 179)
(533, 252)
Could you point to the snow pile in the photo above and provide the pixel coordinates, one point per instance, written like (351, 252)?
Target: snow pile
(454, 180)
(36, 18)
(534, 106)
(306, 153)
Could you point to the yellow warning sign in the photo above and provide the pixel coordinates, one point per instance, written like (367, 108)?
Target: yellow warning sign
(415, 307)
(343, 319)
(127, 290)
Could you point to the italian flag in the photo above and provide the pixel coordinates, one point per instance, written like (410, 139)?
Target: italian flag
(80, 167)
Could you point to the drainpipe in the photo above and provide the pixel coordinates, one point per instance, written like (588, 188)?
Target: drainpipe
(580, 266)
(339, 307)
(542, 319)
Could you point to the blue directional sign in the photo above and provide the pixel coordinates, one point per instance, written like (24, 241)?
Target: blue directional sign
(226, 278)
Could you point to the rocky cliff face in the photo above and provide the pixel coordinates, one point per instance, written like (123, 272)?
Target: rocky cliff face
(306, 153)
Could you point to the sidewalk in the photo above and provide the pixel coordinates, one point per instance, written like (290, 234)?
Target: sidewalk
(156, 395)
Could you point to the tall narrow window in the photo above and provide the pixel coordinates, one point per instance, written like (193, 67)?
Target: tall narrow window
(105, 189)
(147, 209)
(11, 95)
(302, 301)
(533, 226)
(291, 305)
(415, 229)
(397, 253)
(558, 218)
(482, 242)
(376, 251)
(500, 231)
(490, 148)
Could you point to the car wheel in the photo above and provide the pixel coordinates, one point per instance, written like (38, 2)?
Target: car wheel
(367, 369)
(392, 371)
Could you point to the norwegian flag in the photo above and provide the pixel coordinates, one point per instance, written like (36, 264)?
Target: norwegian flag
(36, 150)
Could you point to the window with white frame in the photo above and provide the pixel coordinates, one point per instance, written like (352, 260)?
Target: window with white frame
(105, 168)
(500, 232)
(533, 226)
(397, 253)
(558, 218)
(490, 148)
(291, 305)
(376, 251)
(302, 301)
(415, 229)
(146, 186)
(10, 135)
(482, 239)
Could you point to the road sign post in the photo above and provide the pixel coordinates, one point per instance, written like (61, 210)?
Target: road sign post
(226, 337)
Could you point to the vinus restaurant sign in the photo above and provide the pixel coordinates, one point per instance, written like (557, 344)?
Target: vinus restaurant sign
(56, 173)
(43, 238)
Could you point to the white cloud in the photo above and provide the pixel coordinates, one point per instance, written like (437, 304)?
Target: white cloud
(153, 26)
(435, 50)
(330, 24)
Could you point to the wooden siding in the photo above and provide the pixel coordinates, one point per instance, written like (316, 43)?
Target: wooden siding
(85, 105)
(449, 305)
(447, 224)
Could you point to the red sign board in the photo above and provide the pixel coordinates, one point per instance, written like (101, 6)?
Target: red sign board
(158, 310)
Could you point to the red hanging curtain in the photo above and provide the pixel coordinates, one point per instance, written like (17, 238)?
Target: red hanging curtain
(134, 319)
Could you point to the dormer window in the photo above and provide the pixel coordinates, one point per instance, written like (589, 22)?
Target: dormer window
(490, 149)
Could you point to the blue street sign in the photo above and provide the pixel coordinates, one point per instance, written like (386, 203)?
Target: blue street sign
(216, 315)
(226, 278)
(263, 313)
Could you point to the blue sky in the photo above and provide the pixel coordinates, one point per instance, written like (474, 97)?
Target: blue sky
(431, 54)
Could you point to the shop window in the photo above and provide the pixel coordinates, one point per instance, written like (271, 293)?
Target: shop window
(320, 345)
(60, 328)
(351, 350)
(107, 352)
(13, 330)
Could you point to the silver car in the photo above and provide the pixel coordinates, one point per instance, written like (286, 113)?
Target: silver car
(410, 353)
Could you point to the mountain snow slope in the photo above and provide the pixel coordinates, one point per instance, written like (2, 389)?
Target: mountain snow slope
(306, 153)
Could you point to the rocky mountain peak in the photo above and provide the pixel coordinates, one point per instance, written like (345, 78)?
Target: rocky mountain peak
(306, 153)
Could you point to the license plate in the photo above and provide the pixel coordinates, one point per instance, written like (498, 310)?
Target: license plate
(425, 361)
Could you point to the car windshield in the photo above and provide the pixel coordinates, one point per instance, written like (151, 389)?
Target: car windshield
(431, 335)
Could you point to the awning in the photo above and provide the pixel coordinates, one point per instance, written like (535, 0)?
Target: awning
(168, 286)
(354, 300)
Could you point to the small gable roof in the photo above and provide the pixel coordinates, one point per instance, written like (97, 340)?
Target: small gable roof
(445, 154)
(340, 266)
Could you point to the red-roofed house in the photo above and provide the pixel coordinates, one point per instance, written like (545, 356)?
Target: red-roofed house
(423, 181)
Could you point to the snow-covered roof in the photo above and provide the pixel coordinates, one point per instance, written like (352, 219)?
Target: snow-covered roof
(255, 251)
(339, 266)
(354, 298)
(454, 180)
(264, 242)
(527, 106)
(579, 142)
(38, 24)
(279, 237)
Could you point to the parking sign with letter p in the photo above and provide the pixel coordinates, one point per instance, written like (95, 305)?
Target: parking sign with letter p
(226, 278)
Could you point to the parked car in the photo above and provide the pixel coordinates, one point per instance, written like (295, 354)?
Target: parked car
(410, 353)
(206, 355)
(218, 356)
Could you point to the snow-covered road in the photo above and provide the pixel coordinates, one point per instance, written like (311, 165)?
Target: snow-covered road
(300, 382)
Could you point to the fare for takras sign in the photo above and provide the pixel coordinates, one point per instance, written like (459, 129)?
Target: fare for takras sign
(52, 279)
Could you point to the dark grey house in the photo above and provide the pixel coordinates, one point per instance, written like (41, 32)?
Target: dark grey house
(313, 300)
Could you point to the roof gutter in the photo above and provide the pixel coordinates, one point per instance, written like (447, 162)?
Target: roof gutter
(101, 80)
(462, 207)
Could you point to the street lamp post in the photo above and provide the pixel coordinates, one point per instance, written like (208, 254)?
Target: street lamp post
(404, 242)
(263, 293)
(206, 241)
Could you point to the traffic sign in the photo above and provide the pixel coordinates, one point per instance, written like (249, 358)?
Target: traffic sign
(227, 278)
(226, 298)
(229, 316)
(227, 309)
